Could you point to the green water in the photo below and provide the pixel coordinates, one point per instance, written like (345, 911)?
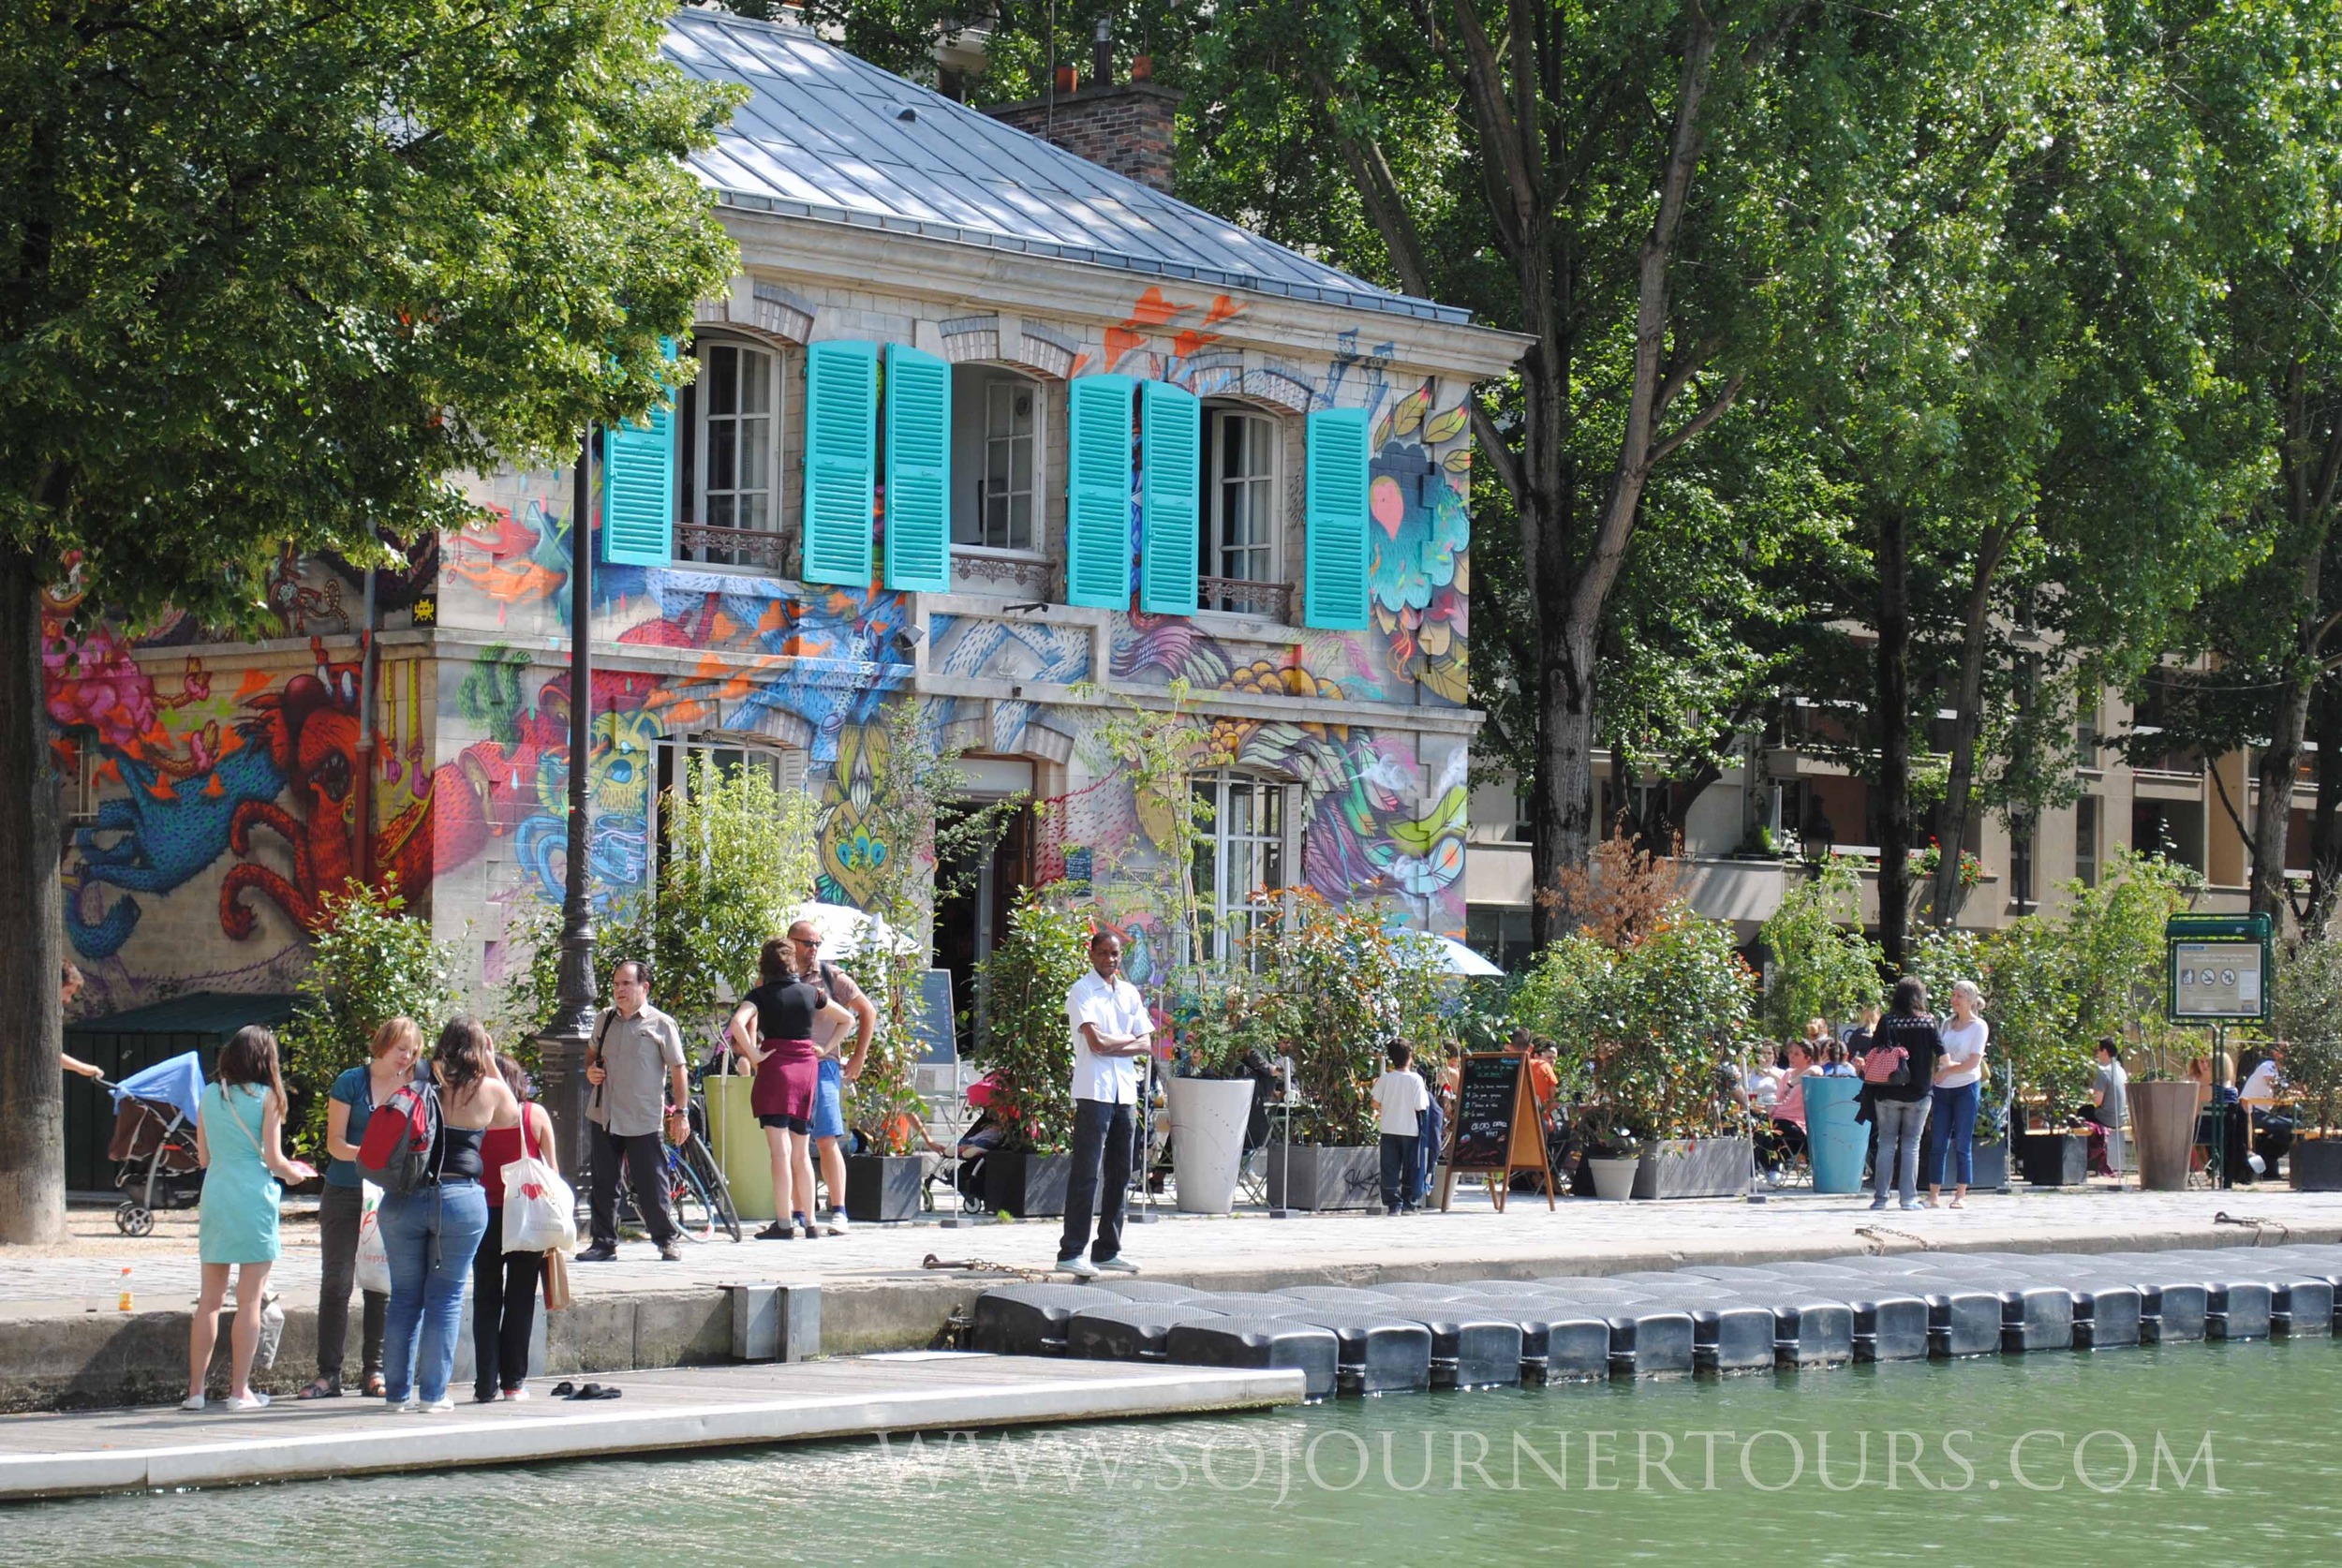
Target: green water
(1348, 1483)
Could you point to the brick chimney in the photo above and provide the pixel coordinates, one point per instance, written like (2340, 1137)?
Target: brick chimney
(1125, 126)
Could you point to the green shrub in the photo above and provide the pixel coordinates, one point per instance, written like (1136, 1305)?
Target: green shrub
(1823, 966)
(1022, 1038)
(370, 962)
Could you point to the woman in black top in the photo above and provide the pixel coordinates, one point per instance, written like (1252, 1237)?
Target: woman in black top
(773, 1029)
(1899, 1110)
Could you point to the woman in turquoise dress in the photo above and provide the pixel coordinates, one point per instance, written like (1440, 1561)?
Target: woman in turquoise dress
(240, 1140)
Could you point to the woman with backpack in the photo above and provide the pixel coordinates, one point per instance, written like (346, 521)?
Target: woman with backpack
(504, 1284)
(1897, 1073)
(240, 1143)
(341, 1212)
(432, 1231)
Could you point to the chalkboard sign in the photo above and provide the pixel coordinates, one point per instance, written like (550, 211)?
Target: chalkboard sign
(939, 1037)
(1484, 1096)
(1499, 1127)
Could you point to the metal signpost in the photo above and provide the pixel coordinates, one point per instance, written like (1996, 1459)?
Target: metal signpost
(2217, 971)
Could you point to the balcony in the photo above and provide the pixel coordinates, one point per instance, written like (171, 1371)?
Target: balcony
(1269, 601)
(729, 547)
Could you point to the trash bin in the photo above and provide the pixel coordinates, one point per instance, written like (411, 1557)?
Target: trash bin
(1836, 1142)
(738, 1145)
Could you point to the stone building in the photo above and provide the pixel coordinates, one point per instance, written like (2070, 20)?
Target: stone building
(905, 469)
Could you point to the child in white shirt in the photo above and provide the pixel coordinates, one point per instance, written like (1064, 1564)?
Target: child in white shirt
(1400, 1098)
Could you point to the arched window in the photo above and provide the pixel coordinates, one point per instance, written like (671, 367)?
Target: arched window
(730, 420)
(996, 459)
(1242, 519)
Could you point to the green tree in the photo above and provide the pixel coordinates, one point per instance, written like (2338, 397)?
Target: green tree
(1022, 1038)
(278, 272)
(1822, 965)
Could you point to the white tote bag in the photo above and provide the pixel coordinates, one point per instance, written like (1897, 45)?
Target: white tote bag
(374, 1261)
(540, 1210)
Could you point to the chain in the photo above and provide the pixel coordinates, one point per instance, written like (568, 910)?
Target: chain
(1875, 1238)
(2260, 1227)
(978, 1265)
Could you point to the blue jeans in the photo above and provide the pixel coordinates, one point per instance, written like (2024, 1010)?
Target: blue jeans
(432, 1236)
(1900, 1123)
(1955, 1136)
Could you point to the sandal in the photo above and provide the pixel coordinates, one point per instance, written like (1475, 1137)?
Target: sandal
(374, 1388)
(324, 1388)
(563, 1389)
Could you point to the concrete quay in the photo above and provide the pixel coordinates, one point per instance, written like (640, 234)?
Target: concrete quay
(63, 1345)
(144, 1450)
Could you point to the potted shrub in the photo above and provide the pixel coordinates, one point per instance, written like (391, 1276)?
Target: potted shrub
(1218, 1021)
(1021, 1040)
(1612, 1155)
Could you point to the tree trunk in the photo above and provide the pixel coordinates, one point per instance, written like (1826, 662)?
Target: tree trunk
(2272, 813)
(1893, 727)
(1945, 898)
(1562, 800)
(2325, 821)
(32, 1089)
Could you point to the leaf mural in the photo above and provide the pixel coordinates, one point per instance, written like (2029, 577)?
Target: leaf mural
(1445, 425)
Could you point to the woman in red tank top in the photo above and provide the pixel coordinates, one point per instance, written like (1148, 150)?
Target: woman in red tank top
(504, 1284)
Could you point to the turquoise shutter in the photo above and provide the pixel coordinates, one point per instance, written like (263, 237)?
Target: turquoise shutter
(840, 461)
(1171, 446)
(918, 470)
(1098, 493)
(638, 481)
(1336, 518)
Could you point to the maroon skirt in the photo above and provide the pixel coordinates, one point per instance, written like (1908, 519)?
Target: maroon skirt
(787, 1079)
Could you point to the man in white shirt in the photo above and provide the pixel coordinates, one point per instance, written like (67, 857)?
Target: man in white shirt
(1111, 1033)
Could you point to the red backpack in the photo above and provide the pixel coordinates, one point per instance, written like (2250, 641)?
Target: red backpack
(402, 1139)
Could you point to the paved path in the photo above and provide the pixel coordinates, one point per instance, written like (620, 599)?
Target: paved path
(54, 1456)
(1581, 1236)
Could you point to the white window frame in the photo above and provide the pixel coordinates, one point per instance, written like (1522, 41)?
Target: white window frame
(776, 387)
(788, 765)
(993, 377)
(1267, 544)
(1228, 899)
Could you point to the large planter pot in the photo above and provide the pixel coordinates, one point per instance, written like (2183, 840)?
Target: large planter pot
(1030, 1186)
(881, 1190)
(1615, 1178)
(741, 1150)
(1695, 1168)
(2315, 1164)
(2163, 1121)
(2054, 1159)
(1208, 1117)
(1310, 1177)
(1833, 1139)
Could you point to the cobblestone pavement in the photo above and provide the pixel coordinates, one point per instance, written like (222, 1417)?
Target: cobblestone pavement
(85, 1275)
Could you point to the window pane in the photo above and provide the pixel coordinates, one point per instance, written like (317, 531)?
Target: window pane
(723, 380)
(720, 512)
(756, 382)
(1019, 522)
(755, 452)
(723, 455)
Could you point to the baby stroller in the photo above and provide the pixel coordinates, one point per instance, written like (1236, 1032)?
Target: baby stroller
(154, 1140)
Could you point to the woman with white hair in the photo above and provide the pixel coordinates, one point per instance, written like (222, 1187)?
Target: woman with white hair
(1959, 1084)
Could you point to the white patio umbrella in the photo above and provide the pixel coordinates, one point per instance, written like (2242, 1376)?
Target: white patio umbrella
(846, 931)
(1456, 959)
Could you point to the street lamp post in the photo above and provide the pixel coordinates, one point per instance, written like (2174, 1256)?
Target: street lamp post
(561, 1049)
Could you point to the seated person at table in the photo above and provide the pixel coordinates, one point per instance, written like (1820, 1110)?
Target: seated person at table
(2110, 1094)
(2273, 1130)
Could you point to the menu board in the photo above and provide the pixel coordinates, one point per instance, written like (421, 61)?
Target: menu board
(1486, 1097)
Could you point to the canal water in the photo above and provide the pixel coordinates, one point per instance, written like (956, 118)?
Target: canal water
(2212, 1454)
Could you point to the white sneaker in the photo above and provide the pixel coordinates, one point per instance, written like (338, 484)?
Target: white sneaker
(401, 1407)
(1080, 1268)
(514, 1394)
(192, 1404)
(837, 1224)
(1118, 1266)
(255, 1400)
(439, 1407)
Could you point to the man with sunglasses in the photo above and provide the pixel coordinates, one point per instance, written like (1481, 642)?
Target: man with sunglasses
(829, 1112)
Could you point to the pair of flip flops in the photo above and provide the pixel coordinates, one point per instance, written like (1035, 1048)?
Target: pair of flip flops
(567, 1390)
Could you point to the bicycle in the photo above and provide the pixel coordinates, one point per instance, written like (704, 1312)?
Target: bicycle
(697, 1192)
